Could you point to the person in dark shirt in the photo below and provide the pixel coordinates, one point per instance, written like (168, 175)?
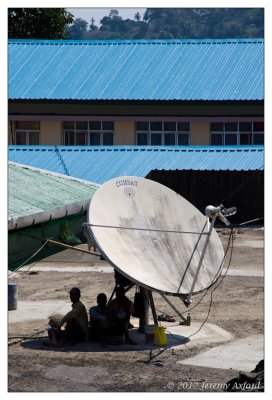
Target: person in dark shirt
(98, 319)
(119, 312)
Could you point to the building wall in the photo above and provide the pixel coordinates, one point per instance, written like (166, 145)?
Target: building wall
(50, 133)
(124, 133)
(241, 189)
(200, 133)
(22, 243)
(125, 116)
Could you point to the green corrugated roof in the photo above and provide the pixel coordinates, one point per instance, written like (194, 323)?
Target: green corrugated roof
(34, 191)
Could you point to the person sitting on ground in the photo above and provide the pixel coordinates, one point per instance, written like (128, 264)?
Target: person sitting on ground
(98, 319)
(119, 312)
(76, 329)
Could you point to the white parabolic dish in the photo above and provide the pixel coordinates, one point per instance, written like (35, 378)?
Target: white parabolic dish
(137, 225)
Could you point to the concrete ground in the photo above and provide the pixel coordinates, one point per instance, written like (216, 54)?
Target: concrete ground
(242, 355)
(231, 339)
(177, 335)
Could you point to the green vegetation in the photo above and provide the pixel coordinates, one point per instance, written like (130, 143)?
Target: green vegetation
(156, 23)
(38, 23)
(175, 23)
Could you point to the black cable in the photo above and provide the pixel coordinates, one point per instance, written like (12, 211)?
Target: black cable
(210, 305)
(209, 309)
(29, 258)
(32, 336)
(213, 281)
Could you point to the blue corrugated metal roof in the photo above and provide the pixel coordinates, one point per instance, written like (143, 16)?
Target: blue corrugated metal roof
(99, 164)
(207, 69)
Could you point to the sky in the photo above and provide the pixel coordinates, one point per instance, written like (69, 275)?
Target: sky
(99, 13)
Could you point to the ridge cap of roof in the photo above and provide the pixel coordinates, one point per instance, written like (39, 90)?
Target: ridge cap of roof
(141, 148)
(136, 41)
(53, 174)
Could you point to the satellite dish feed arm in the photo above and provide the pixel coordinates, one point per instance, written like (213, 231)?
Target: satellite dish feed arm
(220, 212)
(188, 299)
(211, 212)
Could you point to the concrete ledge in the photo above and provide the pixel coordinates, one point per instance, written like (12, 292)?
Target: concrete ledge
(241, 354)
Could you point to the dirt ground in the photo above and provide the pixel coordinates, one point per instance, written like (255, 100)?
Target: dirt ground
(237, 306)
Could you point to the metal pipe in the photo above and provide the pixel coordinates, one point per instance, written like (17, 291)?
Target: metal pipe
(145, 229)
(174, 308)
(151, 302)
(201, 258)
(61, 244)
(144, 320)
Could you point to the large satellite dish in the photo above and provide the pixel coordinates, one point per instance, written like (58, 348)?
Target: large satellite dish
(155, 237)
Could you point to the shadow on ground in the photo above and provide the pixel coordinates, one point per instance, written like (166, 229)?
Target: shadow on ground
(139, 338)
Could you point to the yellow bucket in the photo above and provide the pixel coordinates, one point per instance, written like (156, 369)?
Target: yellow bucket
(160, 338)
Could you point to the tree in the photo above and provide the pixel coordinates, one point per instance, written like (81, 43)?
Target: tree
(137, 16)
(78, 29)
(204, 22)
(113, 13)
(93, 27)
(38, 23)
(179, 23)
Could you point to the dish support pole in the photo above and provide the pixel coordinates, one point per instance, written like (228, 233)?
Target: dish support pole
(201, 258)
(151, 302)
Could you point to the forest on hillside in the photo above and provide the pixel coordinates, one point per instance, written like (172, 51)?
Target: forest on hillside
(155, 23)
(174, 23)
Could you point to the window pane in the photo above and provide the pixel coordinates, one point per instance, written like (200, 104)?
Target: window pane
(245, 126)
(108, 126)
(107, 139)
(169, 139)
(81, 139)
(169, 126)
(20, 137)
(156, 126)
(33, 125)
(245, 138)
(184, 126)
(231, 126)
(69, 138)
(82, 125)
(95, 139)
(258, 138)
(216, 139)
(142, 126)
(142, 139)
(68, 125)
(33, 137)
(95, 125)
(217, 127)
(155, 139)
(258, 127)
(183, 139)
(230, 139)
